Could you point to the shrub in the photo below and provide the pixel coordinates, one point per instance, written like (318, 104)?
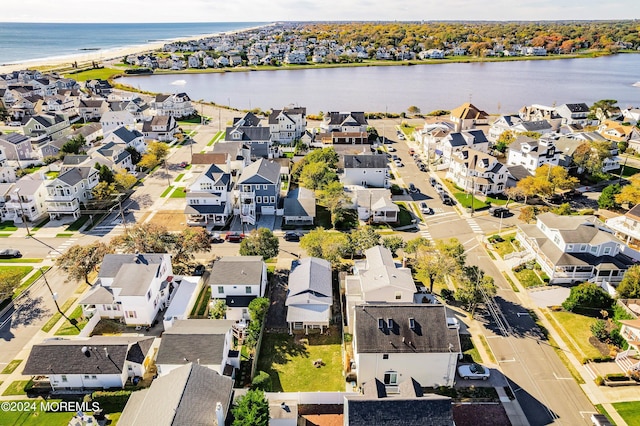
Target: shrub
(599, 380)
(396, 190)
(588, 299)
(262, 381)
(599, 330)
(351, 377)
(447, 294)
(617, 339)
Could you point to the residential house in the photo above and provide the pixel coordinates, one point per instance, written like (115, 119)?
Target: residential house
(60, 104)
(368, 170)
(467, 116)
(134, 287)
(516, 125)
(69, 190)
(574, 114)
(90, 132)
(183, 300)
(374, 204)
(615, 131)
(309, 295)
(27, 199)
(98, 362)
(206, 342)
(115, 156)
(25, 106)
(248, 131)
(258, 190)
(238, 280)
(531, 154)
(458, 141)
(16, 147)
(346, 122)
(341, 138)
(634, 140)
(112, 120)
(288, 124)
(46, 127)
(627, 360)
(405, 404)
(574, 249)
(534, 51)
(567, 145)
(129, 138)
(631, 115)
(300, 207)
(209, 199)
(627, 227)
(7, 173)
(176, 105)
(394, 342)
(477, 172)
(92, 109)
(429, 137)
(136, 107)
(237, 153)
(189, 395)
(160, 127)
(99, 87)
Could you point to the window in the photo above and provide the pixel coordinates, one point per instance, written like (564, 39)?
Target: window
(391, 378)
(94, 377)
(63, 378)
(593, 249)
(264, 187)
(247, 289)
(570, 247)
(86, 377)
(607, 250)
(398, 295)
(259, 199)
(220, 289)
(149, 295)
(131, 314)
(583, 247)
(385, 356)
(273, 199)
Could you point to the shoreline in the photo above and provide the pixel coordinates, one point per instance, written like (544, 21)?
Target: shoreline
(109, 54)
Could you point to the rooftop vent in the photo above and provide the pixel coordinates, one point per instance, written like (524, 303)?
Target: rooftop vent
(381, 323)
(412, 323)
(390, 322)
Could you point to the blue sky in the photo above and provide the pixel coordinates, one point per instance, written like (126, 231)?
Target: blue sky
(311, 10)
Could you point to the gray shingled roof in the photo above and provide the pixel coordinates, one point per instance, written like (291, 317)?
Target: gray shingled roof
(336, 118)
(300, 202)
(309, 282)
(240, 270)
(111, 263)
(249, 133)
(259, 172)
(71, 177)
(430, 334)
(367, 161)
(197, 340)
(134, 279)
(126, 135)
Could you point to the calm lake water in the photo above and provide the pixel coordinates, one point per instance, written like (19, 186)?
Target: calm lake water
(497, 87)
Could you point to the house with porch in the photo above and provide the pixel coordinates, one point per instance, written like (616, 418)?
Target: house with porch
(160, 127)
(27, 199)
(477, 172)
(258, 190)
(309, 295)
(257, 138)
(134, 287)
(98, 362)
(69, 190)
(238, 280)
(46, 127)
(16, 146)
(457, 141)
(367, 170)
(532, 154)
(92, 109)
(300, 207)
(176, 105)
(374, 204)
(574, 114)
(572, 249)
(467, 116)
(206, 342)
(627, 227)
(136, 107)
(346, 122)
(288, 124)
(209, 198)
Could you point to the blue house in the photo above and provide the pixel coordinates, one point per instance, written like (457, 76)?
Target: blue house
(258, 190)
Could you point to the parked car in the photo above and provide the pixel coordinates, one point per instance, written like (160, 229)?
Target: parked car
(423, 167)
(473, 371)
(395, 157)
(234, 237)
(401, 136)
(439, 188)
(433, 181)
(10, 253)
(216, 238)
(412, 151)
(183, 164)
(499, 211)
(398, 163)
(198, 271)
(446, 199)
(291, 236)
(391, 149)
(413, 188)
(425, 209)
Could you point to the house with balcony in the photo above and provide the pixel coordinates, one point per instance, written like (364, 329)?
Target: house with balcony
(288, 124)
(515, 124)
(573, 249)
(46, 127)
(532, 154)
(457, 141)
(574, 114)
(258, 190)
(98, 362)
(136, 107)
(615, 131)
(160, 128)
(394, 343)
(128, 138)
(27, 199)
(25, 106)
(115, 156)
(92, 109)
(69, 190)
(131, 287)
(238, 280)
(112, 120)
(373, 204)
(367, 170)
(176, 105)
(467, 116)
(99, 87)
(477, 172)
(300, 207)
(309, 295)
(345, 122)
(7, 173)
(627, 227)
(206, 342)
(209, 198)
(16, 147)
(255, 137)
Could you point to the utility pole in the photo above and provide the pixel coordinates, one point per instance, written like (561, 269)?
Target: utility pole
(54, 295)
(24, 218)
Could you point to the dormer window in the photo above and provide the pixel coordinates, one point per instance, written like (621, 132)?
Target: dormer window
(381, 323)
(390, 323)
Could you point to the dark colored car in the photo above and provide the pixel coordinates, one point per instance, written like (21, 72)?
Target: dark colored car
(499, 211)
(10, 253)
(198, 271)
(234, 237)
(413, 188)
(432, 181)
(291, 236)
(423, 167)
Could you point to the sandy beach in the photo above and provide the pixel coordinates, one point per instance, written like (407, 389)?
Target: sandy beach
(106, 55)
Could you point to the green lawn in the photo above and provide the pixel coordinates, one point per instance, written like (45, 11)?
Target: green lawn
(64, 235)
(496, 201)
(102, 73)
(29, 281)
(16, 388)
(469, 351)
(465, 201)
(75, 226)
(36, 417)
(22, 260)
(73, 325)
(8, 226)
(404, 215)
(507, 246)
(629, 171)
(629, 411)
(528, 278)
(578, 327)
(178, 193)
(41, 224)
(56, 317)
(11, 367)
(290, 364)
(22, 271)
(179, 177)
(166, 192)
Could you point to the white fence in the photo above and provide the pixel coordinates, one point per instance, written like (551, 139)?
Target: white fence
(86, 331)
(311, 397)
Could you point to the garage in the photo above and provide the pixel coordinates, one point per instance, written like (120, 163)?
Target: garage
(268, 210)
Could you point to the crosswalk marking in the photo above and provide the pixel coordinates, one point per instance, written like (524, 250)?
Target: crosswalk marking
(474, 226)
(426, 234)
(61, 248)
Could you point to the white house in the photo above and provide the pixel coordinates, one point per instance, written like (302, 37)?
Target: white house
(573, 114)
(396, 342)
(176, 105)
(161, 128)
(630, 331)
(183, 300)
(531, 154)
(7, 173)
(238, 280)
(205, 342)
(27, 199)
(112, 120)
(627, 227)
(477, 172)
(99, 362)
(114, 155)
(92, 109)
(209, 200)
(457, 141)
(368, 170)
(574, 249)
(467, 116)
(69, 190)
(346, 122)
(374, 204)
(309, 295)
(288, 124)
(300, 207)
(134, 287)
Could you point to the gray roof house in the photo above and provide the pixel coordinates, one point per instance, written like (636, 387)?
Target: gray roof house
(238, 280)
(344, 122)
(259, 190)
(95, 362)
(369, 170)
(300, 207)
(189, 395)
(16, 146)
(206, 342)
(309, 296)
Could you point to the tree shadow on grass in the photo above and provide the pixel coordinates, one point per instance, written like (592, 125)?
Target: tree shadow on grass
(278, 349)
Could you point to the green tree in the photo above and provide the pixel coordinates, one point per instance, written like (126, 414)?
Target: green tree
(629, 287)
(261, 381)
(185, 245)
(630, 193)
(103, 191)
(104, 173)
(434, 265)
(159, 149)
(590, 156)
(148, 161)
(78, 261)
(603, 108)
(504, 140)
(317, 176)
(393, 243)
(588, 299)
(452, 249)
(413, 110)
(326, 245)
(135, 155)
(258, 308)
(363, 239)
(9, 281)
(335, 200)
(607, 199)
(416, 245)
(124, 180)
(74, 146)
(563, 209)
(260, 242)
(473, 289)
(251, 409)
(218, 310)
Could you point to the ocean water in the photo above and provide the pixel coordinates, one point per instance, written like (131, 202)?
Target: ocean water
(31, 41)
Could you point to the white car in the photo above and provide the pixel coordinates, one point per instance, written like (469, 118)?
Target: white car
(473, 371)
(398, 163)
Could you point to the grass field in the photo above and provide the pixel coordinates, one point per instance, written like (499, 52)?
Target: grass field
(505, 247)
(11, 367)
(528, 278)
(56, 317)
(179, 192)
(8, 227)
(16, 388)
(629, 411)
(469, 350)
(102, 73)
(166, 192)
(21, 260)
(465, 201)
(35, 417)
(578, 328)
(290, 363)
(30, 281)
(75, 226)
(73, 325)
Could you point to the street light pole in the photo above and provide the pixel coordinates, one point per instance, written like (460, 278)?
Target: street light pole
(54, 295)
(24, 218)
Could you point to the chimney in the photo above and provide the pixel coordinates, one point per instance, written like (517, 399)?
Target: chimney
(106, 352)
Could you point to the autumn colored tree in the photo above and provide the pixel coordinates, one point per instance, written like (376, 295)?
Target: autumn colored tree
(78, 261)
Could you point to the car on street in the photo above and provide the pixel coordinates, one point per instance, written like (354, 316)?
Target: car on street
(395, 157)
(184, 164)
(216, 238)
(446, 199)
(499, 211)
(412, 151)
(10, 253)
(473, 371)
(424, 209)
(234, 237)
(400, 136)
(413, 188)
(198, 271)
(439, 189)
(391, 149)
(423, 167)
(432, 181)
(291, 236)
(398, 163)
